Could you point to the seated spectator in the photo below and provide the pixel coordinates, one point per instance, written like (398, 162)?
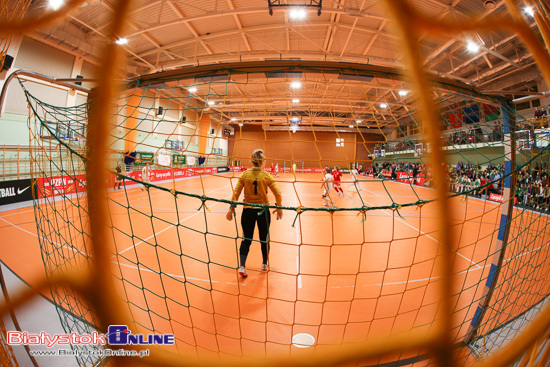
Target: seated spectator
(546, 196)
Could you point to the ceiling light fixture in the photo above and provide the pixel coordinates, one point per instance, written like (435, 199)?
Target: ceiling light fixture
(297, 14)
(233, 119)
(529, 11)
(351, 126)
(241, 124)
(383, 105)
(295, 100)
(295, 119)
(472, 46)
(55, 4)
(358, 121)
(211, 103)
(121, 41)
(296, 84)
(403, 93)
(489, 4)
(192, 89)
(294, 128)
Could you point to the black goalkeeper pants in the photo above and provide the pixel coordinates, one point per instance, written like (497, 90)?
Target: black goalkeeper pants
(249, 219)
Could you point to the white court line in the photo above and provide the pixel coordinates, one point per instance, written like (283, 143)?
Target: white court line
(12, 214)
(169, 227)
(291, 287)
(422, 232)
(45, 239)
(189, 278)
(527, 253)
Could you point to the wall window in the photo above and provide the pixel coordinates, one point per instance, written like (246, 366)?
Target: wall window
(340, 142)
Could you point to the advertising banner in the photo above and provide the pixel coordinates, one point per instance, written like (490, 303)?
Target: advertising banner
(178, 159)
(143, 157)
(471, 114)
(495, 197)
(408, 178)
(15, 191)
(60, 185)
(163, 159)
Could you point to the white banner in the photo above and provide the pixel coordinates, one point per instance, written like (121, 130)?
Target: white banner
(190, 161)
(163, 159)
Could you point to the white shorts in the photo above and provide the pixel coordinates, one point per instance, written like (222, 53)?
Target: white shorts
(328, 187)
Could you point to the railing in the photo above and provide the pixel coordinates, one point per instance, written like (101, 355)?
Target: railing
(15, 162)
(539, 123)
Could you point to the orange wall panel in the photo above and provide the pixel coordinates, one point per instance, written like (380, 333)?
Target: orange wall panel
(315, 150)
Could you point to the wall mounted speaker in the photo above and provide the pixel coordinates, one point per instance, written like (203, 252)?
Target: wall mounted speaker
(8, 61)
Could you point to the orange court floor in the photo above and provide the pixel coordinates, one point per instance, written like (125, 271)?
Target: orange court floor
(341, 277)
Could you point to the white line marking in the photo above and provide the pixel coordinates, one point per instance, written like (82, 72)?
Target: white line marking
(292, 287)
(45, 239)
(527, 253)
(171, 226)
(425, 234)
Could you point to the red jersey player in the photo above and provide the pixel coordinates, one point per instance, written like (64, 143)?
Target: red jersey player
(337, 175)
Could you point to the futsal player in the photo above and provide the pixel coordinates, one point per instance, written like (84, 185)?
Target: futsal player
(255, 182)
(327, 186)
(337, 175)
(354, 174)
(145, 175)
(119, 179)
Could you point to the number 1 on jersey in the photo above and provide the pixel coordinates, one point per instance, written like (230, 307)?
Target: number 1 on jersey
(255, 183)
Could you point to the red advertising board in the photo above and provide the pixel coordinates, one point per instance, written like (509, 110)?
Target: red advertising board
(66, 185)
(406, 178)
(455, 117)
(60, 185)
(495, 197)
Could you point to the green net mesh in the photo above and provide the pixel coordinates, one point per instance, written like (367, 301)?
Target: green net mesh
(361, 268)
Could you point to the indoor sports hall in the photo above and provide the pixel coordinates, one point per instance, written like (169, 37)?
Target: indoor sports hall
(280, 182)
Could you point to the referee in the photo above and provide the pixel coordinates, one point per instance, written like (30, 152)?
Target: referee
(255, 182)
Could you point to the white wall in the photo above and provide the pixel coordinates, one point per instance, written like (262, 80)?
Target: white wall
(154, 130)
(45, 59)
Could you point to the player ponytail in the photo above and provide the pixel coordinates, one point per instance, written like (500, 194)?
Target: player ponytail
(258, 157)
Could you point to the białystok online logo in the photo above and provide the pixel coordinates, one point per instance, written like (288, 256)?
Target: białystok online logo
(120, 335)
(116, 335)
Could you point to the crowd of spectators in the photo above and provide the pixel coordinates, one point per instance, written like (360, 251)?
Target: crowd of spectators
(398, 146)
(474, 134)
(468, 177)
(471, 135)
(388, 169)
(532, 188)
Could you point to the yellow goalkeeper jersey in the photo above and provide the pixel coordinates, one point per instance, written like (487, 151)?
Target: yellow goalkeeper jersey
(255, 182)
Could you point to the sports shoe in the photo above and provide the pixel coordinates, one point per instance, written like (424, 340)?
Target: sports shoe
(242, 272)
(264, 267)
